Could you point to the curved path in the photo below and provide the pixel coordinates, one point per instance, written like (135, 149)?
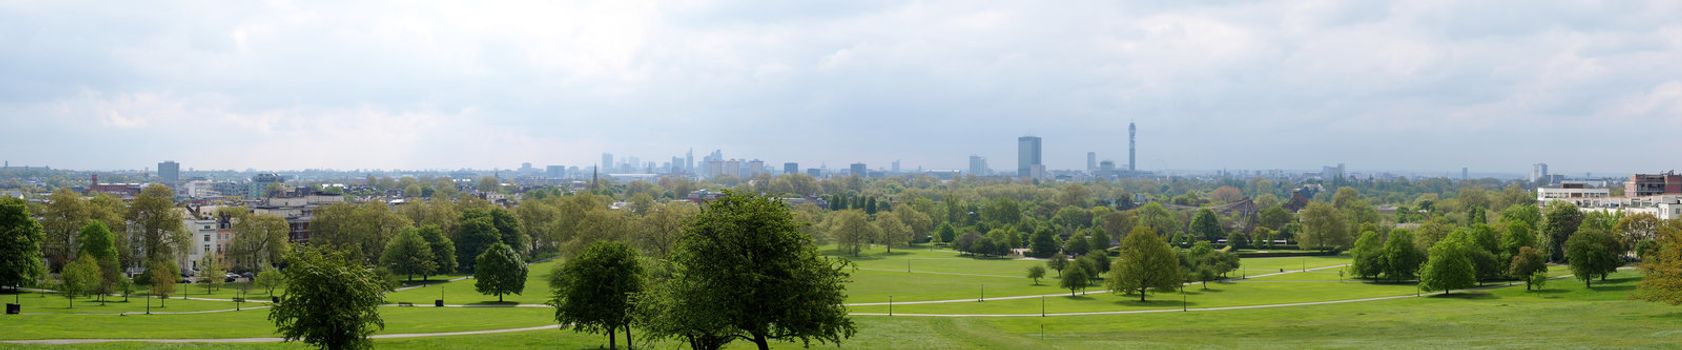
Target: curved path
(275, 340)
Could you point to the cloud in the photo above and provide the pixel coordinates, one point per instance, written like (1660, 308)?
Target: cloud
(1232, 85)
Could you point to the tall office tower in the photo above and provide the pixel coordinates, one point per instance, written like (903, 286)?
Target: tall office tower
(607, 162)
(977, 165)
(1091, 162)
(689, 162)
(170, 172)
(1132, 137)
(1027, 155)
(859, 170)
(791, 168)
(1538, 172)
(1464, 174)
(896, 166)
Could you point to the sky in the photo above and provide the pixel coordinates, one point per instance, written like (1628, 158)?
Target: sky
(1410, 85)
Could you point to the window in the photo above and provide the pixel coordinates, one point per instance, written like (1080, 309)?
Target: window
(207, 248)
(206, 238)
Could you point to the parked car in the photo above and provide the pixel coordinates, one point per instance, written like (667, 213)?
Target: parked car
(230, 279)
(247, 275)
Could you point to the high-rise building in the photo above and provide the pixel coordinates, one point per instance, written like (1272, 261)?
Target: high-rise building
(895, 167)
(1538, 172)
(791, 168)
(689, 162)
(1465, 174)
(556, 171)
(1132, 137)
(169, 172)
(1027, 155)
(859, 170)
(1091, 162)
(977, 165)
(607, 162)
(1641, 185)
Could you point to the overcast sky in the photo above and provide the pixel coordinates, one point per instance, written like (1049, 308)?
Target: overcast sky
(1409, 85)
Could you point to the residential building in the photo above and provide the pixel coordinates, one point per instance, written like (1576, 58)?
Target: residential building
(1538, 172)
(859, 170)
(977, 165)
(1091, 162)
(1641, 185)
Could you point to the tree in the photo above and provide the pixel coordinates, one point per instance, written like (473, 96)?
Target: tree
(892, 232)
(852, 230)
(500, 271)
(1273, 217)
(163, 274)
(1517, 235)
(1368, 255)
(331, 301)
(1035, 273)
(62, 221)
(268, 280)
(1206, 227)
(1592, 252)
(593, 291)
(158, 223)
(361, 229)
(744, 269)
(409, 254)
(1146, 262)
(1156, 217)
(1043, 245)
(260, 240)
(1663, 269)
(947, 232)
(80, 278)
(211, 272)
(1526, 263)
(1449, 267)
(1058, 262)
(443, 250)
(1485, 251)
(20, 244)
(967, 243)
(474, 236)
(1199, 263)
(1559, 223)
(98, 242)
(1226, 194)
(1401, 256)
(1323, 228)
(1075, 279)
(1635, 228)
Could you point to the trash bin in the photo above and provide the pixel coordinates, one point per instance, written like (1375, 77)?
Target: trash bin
(438, 303)
(13, 309)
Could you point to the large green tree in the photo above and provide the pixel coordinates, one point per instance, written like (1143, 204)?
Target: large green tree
(473, 236)
(594, 291)
(1449, 267)
(1526, 263)
(20, 244)
(1662, 280)
(1323, 227)
(1591, 253)
(744, 271)
(443, 250)
(1401, 256)
(331, 301)
(1368, 255)
(852, 230)
(1559, 223)
(80, 278)
(1146, 262)
(62, 221)
(499, 271)
(260, 240)
(159, 226)
(409, 255)
(98, 242)
(1206, 226)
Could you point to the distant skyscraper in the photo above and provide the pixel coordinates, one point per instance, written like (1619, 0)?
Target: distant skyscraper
(896, 166)
(859, 170)
(1027, 155)
(607, 162)
(1465, 174)
(689, 162)
(791, 168)
(977, 165)
(556, 171)
(1091, 162)
(1538, 172)
(1132, 137)
(169, 172)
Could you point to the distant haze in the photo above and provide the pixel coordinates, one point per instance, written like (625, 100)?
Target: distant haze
(1412, 85)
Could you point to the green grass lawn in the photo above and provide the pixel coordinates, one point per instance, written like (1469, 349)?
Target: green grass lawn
(255, 323)
(35, 303)
(946, 275)
(1563, 316)
(462, 292)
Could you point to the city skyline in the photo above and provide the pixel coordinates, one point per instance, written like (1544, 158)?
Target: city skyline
(1265, 85)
